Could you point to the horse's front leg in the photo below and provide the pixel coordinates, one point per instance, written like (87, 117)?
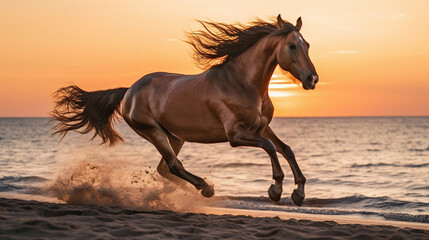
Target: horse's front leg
(240, 136)
(298, 194)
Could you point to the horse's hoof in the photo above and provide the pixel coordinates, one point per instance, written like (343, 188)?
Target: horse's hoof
(274, 194)
(207, 191)
(297, 198)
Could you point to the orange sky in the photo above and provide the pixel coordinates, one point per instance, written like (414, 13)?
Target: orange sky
(372, 56)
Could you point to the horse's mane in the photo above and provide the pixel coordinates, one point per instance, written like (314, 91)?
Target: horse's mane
(218, 43)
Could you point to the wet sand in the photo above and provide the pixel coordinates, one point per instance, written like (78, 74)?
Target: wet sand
(23, 219)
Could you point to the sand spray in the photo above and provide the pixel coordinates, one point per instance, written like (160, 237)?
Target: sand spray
(104, 179)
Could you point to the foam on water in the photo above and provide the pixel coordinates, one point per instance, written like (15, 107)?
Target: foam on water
(341, 206)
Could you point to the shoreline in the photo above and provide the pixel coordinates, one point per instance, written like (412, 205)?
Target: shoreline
(341, 219)
(24, 219)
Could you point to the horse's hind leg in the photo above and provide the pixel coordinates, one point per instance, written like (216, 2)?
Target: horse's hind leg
(158, 137)
(176, 144)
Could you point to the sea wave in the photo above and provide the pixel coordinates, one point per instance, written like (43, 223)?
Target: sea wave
(352, 205)
(238, 165)
(369, 165)
(20, 183)
(368, 202)
(9, 187)
(15, 179)
(418, 149)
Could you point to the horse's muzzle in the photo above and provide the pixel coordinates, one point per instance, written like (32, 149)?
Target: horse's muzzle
(310, 81)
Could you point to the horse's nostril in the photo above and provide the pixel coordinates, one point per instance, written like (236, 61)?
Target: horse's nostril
(316, 78)
(312, 79)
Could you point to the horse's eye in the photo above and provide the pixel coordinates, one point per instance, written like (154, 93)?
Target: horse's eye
(292, 46)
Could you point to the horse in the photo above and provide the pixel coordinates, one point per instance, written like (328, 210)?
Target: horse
(228, 102)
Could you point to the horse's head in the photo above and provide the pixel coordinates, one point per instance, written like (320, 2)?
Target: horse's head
(292, 56)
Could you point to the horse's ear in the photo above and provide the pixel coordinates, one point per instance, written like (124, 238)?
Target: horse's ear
(280, 22)
(298, 24)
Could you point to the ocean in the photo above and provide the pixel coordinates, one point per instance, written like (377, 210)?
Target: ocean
(371, 167)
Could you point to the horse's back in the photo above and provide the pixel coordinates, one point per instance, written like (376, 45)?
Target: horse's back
(178, 103)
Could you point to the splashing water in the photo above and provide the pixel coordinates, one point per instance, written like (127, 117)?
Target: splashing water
(113, 184)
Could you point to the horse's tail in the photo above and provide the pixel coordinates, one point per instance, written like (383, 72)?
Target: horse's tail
(81, 111)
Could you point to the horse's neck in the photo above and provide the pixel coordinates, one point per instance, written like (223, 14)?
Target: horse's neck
(257, 64)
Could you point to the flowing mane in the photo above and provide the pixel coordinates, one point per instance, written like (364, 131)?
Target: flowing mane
(218, 43)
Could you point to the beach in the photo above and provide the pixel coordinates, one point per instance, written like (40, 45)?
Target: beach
(23, 219)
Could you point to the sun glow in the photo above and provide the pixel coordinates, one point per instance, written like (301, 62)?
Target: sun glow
(282, 85)
(278, 94)
(282, 89)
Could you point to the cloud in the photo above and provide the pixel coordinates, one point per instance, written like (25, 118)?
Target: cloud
(345, 28)
(400, 15)
(394, 16)
(344, 52)
(172, 40)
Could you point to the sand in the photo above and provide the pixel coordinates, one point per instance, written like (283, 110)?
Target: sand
(23, 219)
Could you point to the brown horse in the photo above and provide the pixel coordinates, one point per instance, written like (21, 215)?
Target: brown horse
(227, 102)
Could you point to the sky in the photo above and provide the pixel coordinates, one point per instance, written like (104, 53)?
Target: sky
(372, 57)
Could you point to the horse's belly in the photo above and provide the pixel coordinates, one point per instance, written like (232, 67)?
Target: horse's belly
(200, 135)
(194, 125)
(193, 132)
